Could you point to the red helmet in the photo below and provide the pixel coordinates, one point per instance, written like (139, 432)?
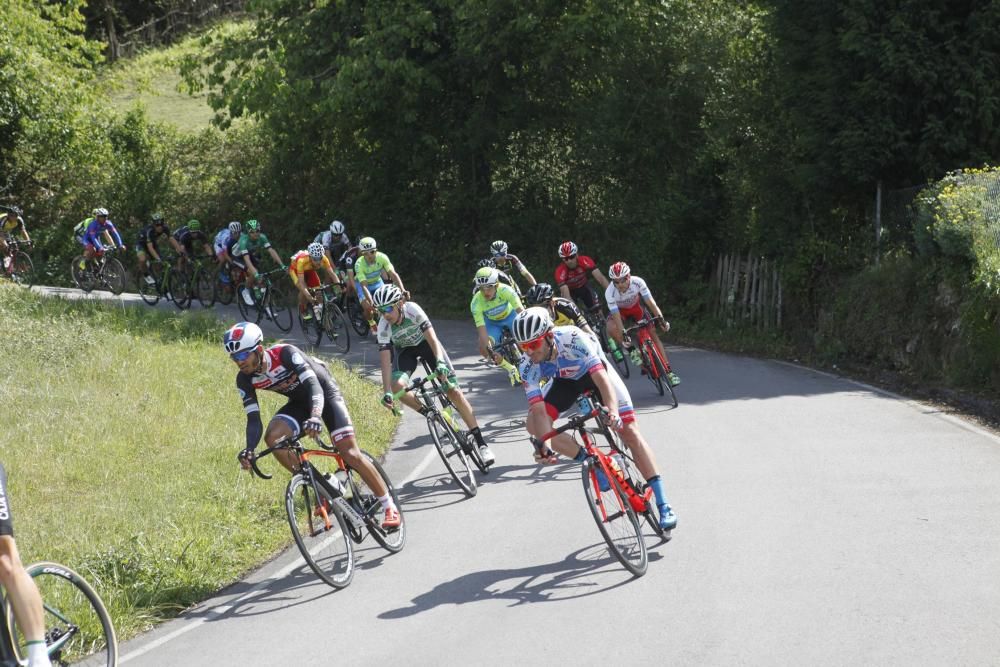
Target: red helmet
(619, 270)
(567, 249)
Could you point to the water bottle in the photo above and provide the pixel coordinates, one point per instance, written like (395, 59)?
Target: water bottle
(345, 486)
(334, 481)
(584, 405)
(618, 463)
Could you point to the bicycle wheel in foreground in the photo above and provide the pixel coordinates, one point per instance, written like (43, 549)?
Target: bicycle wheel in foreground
(372, 508)
(327, 550)
(449, 446)
(616, 520)
(78, 629)
(149, 291)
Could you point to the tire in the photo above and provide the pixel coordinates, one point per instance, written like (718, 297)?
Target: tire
(312, 330)
(356, 316)
(22, 271)
(450, 448)
(248, 312)
(113, 275)
(639, 486)
(149, 293)
(327, 550)
(652, 373)
(78, 628)
(276, 302)
(664, 382)
(204, 288)
(336, 327)
(616, 520)
(178, 286)
(223, 291)
(83, 278)
(370, 508)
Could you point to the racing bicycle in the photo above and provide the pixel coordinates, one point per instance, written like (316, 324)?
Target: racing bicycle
(269, 300)
(327, 319)
(654, 366)
(101, 271)
(17, 264)
(164, 281)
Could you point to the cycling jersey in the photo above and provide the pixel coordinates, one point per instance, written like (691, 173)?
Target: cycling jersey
(248, 246)
(310, 389)
(630, 298)
(92, 230)
(221, 242)
(10, 223)
(577, 277)
(564, 313)
(335, 244)
(187, 237)
(148, 234)
(509, 263)
(577, 357)
(500, 307)
(6, 521)
(371, 273)
(409, 332)
(302, 265)
(346, 261)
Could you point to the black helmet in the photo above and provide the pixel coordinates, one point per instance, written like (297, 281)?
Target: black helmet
(538, 294)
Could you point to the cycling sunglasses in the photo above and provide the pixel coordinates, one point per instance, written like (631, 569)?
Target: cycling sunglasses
(241, 356)
(532, 345)
(566, 259)
(621, 281)
(388, 309)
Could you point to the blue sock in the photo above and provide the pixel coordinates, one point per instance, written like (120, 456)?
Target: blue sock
(581, 455)
(656, 484)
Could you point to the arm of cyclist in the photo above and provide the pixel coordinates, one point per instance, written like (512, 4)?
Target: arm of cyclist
(276, 257)
(385, 364)
(255, 427)
(293, 358)
(608, 397)
(657, 314)
(399, 282)
(599, 277)
(175, 244)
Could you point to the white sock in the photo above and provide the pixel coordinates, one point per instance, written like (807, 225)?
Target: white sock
(38, 655)
(386, 501)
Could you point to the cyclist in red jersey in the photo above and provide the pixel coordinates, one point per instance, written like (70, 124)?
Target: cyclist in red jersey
(573, 276)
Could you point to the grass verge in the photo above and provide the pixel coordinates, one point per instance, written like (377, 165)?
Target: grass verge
(121, 427)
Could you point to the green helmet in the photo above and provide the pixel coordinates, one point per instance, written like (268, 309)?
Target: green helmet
(486, 276)
(251, 226)
(194, 225)
(367, 243)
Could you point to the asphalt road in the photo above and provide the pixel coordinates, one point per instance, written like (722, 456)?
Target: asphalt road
(821, 522)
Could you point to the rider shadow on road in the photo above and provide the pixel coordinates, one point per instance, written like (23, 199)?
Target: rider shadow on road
(587, 571)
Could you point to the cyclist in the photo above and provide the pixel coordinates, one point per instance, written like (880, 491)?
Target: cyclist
(304, 273)
(560, 363)
(21, 589)
(493, 308)
(314, 401)
(243, 252)
(507, 263)
(572, 277)
(189, 234)
(629, 298)
(504, 278)
(221, 244)
(562, 311)
(147, 243)
(371, 269)
(334, 241)
(406, 327)
(11, 223)
(90, 232)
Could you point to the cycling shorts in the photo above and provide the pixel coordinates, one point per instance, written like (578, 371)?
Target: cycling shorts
(407, 358)
(635, 313)
(371, 288)
(585, 296)
(6, 521)
(494, 328)
(560, 394)
(335, 416)
(312, 277)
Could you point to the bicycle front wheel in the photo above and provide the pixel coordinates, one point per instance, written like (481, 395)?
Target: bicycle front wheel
(178, 287)
(323, 542)
(277, 308)
(449, 446)
(78, 629)
(223, 289)
(113, 275)
(335, 325)
(652, 372)
(370, 508)
(204, 288)
(664, 381)
(22, 271)
(81, 277)
(615, 519)
(149, 291)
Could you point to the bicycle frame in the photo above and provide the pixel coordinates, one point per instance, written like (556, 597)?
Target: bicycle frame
(643, 333)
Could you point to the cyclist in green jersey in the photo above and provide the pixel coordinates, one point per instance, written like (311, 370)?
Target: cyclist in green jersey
(245, 253)
(494, 307)
(405, 326)
(371, 270)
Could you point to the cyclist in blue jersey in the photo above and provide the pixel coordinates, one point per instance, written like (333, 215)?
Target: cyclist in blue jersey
(560, 363)
(21, 589)
(91, 231)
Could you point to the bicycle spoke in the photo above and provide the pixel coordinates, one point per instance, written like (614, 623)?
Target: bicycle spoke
(615, 519)
(322, 539)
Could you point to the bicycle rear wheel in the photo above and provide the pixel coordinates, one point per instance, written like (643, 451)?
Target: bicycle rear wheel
(204, 287)
(323, 542)
(150, 292)
(371, 509)
(78, 629)
(356, 316)
(312, 330)
(82, 277)
(178, 286)
(22, 271)
(335, 325)
(449, 446)
(615, 519)
(113, 275)
(664, 382)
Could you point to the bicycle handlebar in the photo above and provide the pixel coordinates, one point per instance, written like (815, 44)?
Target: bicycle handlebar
(574, 423)
(285, 442)
(414, 385)
(642, 324)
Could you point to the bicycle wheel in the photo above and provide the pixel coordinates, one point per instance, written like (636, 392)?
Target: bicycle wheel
(113, 275)
(82, 277)
(664, 382)
(620, 364)
(335, 325)
(327, 550)
(22, 271)
(223, 289)
(370, 508)
(312, 330)
(616, 520)
(177, 287)
(204, 287)
(356, 316)
(248, 311)
(150, 291)
(277, 307)
(449, 446)
(652, 373)
(78, 629)
(638, 484)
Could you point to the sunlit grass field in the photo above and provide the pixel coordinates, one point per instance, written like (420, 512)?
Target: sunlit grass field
(119, 431)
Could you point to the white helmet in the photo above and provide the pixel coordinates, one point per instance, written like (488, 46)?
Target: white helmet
(235, 228)
(101, 211)
(336, 228)
(367, 243)
(619, 270)
(487, 276)
(532, 323)
(315, 251)
(242, 337)
(498, 248)
(386, 295)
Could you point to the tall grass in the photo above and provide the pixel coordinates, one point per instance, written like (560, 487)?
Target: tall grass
(120, 429)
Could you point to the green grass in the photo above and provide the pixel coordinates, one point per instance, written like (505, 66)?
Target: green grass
(152, 80)
(121, 428)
